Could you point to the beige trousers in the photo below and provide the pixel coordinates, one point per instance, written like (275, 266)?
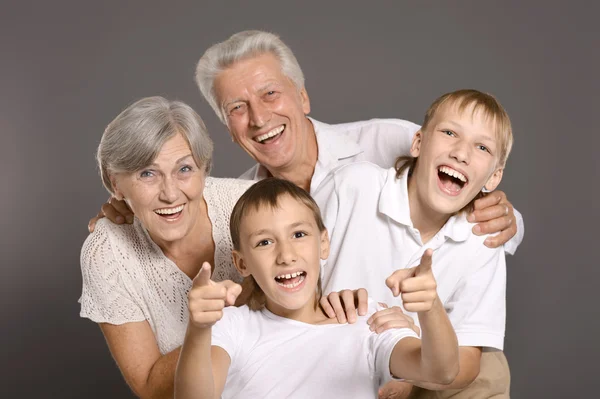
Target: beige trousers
(493, 382)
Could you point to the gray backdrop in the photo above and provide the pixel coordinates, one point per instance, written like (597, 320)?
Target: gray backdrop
(68, 68)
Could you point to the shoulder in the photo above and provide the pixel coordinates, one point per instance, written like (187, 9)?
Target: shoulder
(360, 174)
(105, 235)
(230, 188)
(387, 125)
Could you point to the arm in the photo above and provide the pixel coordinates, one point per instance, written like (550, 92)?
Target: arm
(434, 358)
(202, 369)
(469, 359)
(133, 346)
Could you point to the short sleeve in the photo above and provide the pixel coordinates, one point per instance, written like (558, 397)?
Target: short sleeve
(381, 347)
(105, 297)
(511, 246)
(477, 309)
(226, 333)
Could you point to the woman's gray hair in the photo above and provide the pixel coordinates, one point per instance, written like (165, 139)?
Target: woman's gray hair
(240, 46)
(133, 140)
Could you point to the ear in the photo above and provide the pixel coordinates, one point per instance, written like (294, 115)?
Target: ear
(239, 263)
(324, 244)
(117, 193)
(415, 147)
(305, 101)
(494, 180)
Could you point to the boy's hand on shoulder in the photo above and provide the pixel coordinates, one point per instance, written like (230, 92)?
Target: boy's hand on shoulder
(393, 317)
(207, 299)
(417, 285)
(494, 214)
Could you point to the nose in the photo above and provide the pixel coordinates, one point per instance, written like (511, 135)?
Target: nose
(461, 151)
(286, 254)
(168, 190)
(260, 114)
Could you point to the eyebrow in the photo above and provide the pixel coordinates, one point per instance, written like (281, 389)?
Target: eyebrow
(459, 127)
(291, 226)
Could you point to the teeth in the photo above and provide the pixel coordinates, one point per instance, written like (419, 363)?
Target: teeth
(292, 285)
(453, 173)
(169, 211)
(288, 276)
(270, 134)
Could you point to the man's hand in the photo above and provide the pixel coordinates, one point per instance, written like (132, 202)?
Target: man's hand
(343, 305)
(392, 317)
(115, 210)
(207, 299)
(494, 214)
(417, 285)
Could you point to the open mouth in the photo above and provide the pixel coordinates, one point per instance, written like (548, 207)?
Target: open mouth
(271, 135)
(170, 213)
(451, 180)
(291, 280)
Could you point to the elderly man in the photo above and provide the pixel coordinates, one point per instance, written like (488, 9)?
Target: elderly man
(255, 85)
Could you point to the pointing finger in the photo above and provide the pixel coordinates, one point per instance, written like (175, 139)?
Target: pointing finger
(203, 276)
(426, 262)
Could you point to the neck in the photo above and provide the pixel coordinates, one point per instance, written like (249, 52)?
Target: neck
(310, 313)
(301, 171)
(424, 219)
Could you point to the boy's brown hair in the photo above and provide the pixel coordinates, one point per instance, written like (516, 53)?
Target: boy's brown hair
(267, 192)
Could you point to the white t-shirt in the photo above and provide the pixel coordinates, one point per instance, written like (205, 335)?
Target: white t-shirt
(366, 211)
(127, 278)
(275, 357)
(379, 141)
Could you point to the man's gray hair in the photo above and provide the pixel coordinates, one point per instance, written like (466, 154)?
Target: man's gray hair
(240, 46)
(133, 140)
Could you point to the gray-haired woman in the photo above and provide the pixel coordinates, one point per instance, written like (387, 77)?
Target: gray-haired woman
(156, 156)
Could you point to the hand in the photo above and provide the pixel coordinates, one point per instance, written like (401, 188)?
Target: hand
(417, 285)
(343, 304)
(395, 390)
(207, 299)
(392, 317)
(494, 214)
(115, 210)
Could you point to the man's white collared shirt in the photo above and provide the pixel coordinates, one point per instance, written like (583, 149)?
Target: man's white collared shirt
(379, 141)
(366, 210)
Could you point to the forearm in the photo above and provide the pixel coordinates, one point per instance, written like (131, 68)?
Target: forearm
(469, 361)
(439, 346)
(194, 376)
(161, 378)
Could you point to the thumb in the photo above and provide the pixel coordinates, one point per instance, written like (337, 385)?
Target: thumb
(396, 278)
(203, 276)
(233, 291)
(426, 262)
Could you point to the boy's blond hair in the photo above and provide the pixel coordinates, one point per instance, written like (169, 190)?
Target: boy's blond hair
(267, 192)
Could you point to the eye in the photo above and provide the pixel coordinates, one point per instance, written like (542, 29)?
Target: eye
(483, 148)
(146, 173)
(299, 234)
(186, 168)
(449, 133)
(263, 243)
(236, 109)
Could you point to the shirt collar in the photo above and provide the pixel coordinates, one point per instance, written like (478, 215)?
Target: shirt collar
(394, 203)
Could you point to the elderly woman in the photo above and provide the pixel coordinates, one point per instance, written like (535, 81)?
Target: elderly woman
(155, 155)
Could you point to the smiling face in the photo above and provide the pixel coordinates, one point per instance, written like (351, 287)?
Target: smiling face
(167, 195)
(265, 112)
(281, 248)
(457, 157)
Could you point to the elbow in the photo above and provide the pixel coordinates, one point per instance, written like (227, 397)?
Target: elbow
(447, 375)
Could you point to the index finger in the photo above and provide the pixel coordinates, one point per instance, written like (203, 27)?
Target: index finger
(491, 199)
(203, 276)
(426, 261)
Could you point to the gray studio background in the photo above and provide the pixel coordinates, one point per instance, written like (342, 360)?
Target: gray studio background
(68, 68)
